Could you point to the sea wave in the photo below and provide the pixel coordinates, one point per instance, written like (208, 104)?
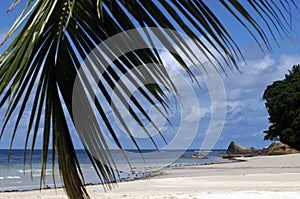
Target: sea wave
(12, 177)
(48, 171)
(24, 171)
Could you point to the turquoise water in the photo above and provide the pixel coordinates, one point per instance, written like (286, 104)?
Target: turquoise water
(15, 175)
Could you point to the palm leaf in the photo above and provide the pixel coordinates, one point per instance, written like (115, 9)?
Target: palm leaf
(51, 38)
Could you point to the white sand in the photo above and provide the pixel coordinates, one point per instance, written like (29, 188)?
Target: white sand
(258, 177)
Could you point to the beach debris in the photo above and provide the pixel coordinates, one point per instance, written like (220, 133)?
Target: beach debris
(199, 155)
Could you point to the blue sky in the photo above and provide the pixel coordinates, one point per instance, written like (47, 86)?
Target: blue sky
(246, 116)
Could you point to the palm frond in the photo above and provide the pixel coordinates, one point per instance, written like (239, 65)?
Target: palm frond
(51, 38)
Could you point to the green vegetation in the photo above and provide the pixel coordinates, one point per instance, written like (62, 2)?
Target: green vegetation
(283, 104)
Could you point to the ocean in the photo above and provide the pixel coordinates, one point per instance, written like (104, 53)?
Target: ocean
(17, 176)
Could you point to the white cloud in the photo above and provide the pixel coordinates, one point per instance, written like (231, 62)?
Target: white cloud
(193, 54)
(195, 113)
(256, 65)
(256, 75)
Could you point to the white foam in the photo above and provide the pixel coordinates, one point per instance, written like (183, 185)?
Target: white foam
(22, 170)
(12, 177)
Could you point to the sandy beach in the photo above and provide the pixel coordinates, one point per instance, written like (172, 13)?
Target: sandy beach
(256, 177)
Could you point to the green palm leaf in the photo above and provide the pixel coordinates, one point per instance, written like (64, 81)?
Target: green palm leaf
(51, 38)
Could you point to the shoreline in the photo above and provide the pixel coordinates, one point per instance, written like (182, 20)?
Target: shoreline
(252, 177)
(144, 175)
